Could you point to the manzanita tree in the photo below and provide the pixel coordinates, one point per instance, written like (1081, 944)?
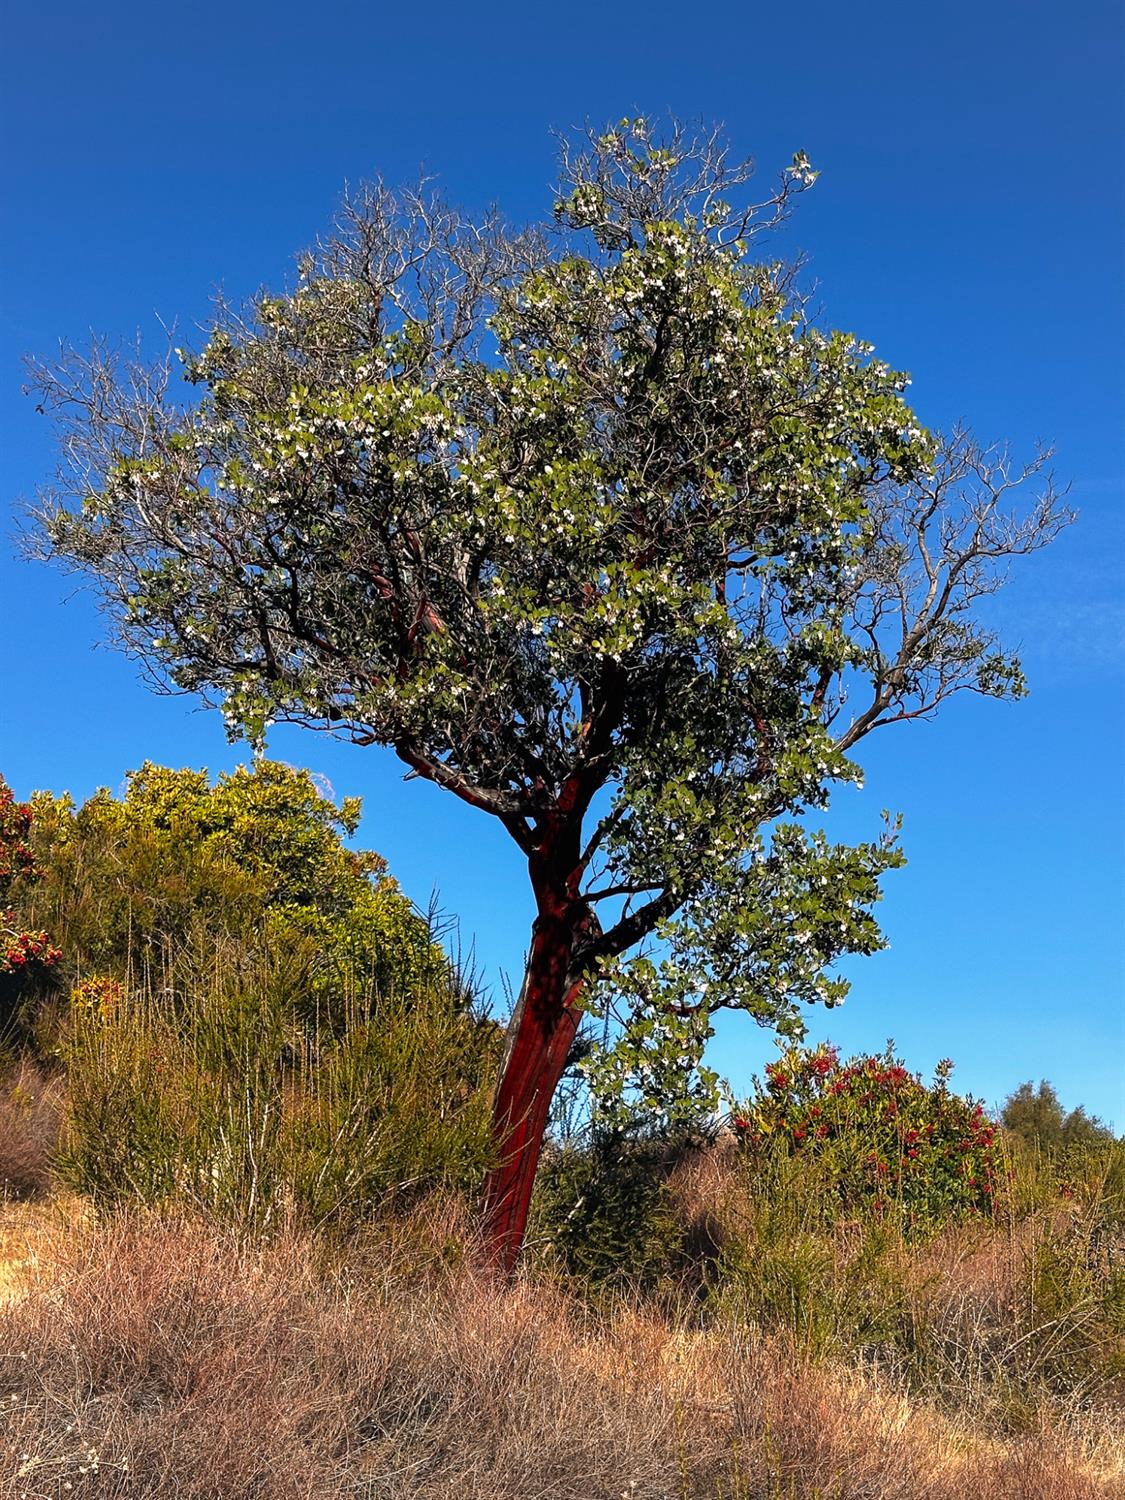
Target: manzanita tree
(596, 529)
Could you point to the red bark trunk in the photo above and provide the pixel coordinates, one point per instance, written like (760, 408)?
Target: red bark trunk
(543, 1027)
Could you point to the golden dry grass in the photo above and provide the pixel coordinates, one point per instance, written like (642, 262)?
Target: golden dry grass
(31, 1106)
(148, 1358)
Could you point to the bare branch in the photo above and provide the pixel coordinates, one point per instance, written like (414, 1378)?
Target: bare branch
(935, 548)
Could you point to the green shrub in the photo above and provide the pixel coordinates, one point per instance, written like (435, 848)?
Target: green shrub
(1006, 1315)
(791, 1261)
(152, 886)
(604, 1211)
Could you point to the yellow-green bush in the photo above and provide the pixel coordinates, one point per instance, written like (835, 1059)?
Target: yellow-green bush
(149, 886)
(259, 1022)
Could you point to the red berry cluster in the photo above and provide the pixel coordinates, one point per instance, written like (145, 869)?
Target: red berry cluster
(16, 858)
(18, 950)
(21, 952)
(97, 995)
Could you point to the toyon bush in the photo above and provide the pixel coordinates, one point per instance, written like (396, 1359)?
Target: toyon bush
(886, 1141)
(26, 954)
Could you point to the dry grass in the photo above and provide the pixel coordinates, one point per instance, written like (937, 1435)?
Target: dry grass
(31, 1106)
(147, 1358)
(1005, 1322)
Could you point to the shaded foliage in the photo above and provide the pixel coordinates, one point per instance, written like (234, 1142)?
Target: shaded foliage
(604, 1212)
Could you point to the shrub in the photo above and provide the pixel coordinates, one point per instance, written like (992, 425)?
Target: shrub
(236, 1104)
(603, 1210)
(884, 1142)
(27, 956)
(153, 886)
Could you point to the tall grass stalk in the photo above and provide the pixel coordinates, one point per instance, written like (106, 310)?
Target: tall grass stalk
(228, 1098)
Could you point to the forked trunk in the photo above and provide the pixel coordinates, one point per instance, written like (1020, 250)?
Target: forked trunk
(543, 1026)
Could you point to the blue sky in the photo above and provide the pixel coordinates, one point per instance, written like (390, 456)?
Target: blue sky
(968, 221)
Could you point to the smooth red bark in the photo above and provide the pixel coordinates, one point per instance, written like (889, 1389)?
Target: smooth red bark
(543, 1027)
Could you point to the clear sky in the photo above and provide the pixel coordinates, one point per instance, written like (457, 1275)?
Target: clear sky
(968, 221)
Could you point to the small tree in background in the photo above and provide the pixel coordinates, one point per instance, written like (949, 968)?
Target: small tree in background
(1037, 1117)
(598, 532)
